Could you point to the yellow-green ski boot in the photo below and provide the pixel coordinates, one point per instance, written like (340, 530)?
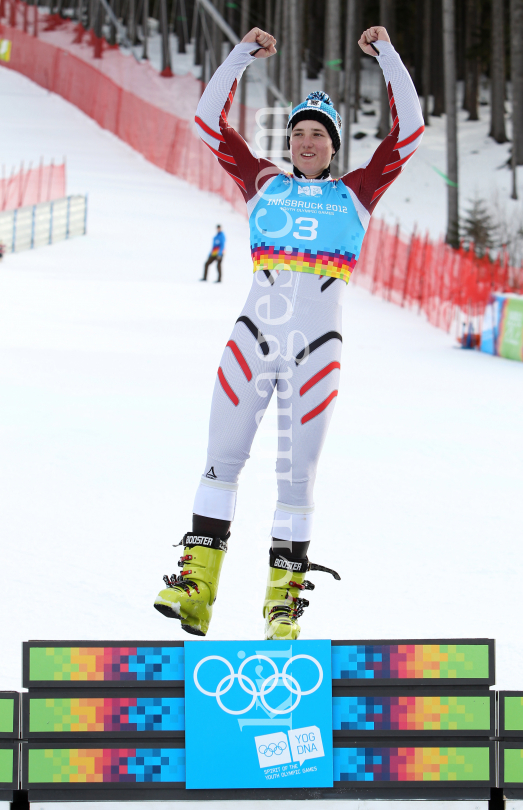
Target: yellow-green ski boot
(190, 595)
(283, 604)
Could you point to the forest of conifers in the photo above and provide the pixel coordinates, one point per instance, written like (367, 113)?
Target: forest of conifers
(442, 42)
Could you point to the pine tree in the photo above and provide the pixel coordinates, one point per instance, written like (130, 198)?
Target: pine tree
(437, 62)
(332, 61)
(470, 96)
(427, 30)
(244, 29)
(478, 227)
(449, 47)
(384, 124)
(295, 14)
(348, 77)
(497, 74)
(516, 59)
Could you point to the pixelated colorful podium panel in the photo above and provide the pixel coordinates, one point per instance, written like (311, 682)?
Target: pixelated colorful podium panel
(7, 769)
(511, 715)
(104, 665)
(8, 714)
(411, 661)
(512, 765)
(412, 764)
(74, 766)
(412, 713)
(105, 714)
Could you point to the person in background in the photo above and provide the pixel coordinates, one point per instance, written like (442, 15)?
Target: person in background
(216, 254)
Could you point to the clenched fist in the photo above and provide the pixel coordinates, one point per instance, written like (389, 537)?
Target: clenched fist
(265, 42)
(374, 34)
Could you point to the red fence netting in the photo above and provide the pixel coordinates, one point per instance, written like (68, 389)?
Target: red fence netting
(431, 276)
(32, 186)
(100, 88)
(154, 115)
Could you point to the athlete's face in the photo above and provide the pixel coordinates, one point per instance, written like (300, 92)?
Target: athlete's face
(311, 147)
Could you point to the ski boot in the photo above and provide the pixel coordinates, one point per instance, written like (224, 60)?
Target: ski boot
(283, 604)
(190, 595)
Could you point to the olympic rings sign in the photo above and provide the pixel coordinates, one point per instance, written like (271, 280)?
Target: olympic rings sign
(268, 685)
(272, 748)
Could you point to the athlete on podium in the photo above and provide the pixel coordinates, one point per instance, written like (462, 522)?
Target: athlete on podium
(306, 232)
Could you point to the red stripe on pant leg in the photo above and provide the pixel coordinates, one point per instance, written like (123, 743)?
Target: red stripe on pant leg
(321, 407)
(317, 377)
(241, 359)
(227, 388)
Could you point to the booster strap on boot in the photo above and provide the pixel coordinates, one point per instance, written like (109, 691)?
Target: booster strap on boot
(278, 560)
(315, 567)
(189, 540)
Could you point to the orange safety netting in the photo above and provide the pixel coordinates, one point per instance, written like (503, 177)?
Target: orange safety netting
(32, 186)
(155, 117)
(430, 275)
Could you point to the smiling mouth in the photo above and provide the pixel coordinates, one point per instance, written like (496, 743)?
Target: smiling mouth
(308, 154)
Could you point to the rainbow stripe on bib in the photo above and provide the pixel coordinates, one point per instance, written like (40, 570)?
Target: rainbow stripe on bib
(337, 264)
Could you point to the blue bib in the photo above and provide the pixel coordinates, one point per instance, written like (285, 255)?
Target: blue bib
(306, 226)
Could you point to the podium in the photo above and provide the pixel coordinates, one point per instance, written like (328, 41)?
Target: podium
(9, 744)
(397, 719)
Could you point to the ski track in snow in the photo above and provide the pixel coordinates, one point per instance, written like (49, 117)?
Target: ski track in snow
(108, 353)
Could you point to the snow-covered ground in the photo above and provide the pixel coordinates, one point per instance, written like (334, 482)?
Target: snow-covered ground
(108, 353)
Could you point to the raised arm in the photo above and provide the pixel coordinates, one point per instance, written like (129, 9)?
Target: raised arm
(371, 180)
(249, 172)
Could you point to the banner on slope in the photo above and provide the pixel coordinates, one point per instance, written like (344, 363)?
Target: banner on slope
(502, 331)
(258, 714)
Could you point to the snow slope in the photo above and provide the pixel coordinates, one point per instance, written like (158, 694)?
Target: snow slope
(109, 349)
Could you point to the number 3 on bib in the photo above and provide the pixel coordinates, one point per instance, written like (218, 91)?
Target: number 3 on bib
(301, 233)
